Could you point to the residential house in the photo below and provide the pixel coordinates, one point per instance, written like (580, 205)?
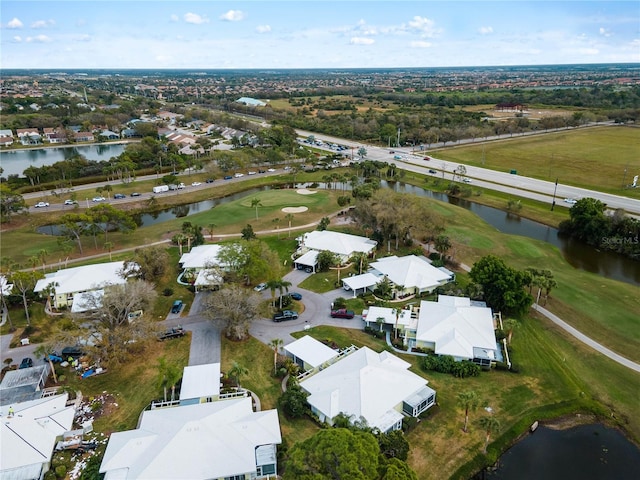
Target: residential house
(375, 387)
(410, 275)
(251, 102)
(69, 285)
(54, 135)
(202, 267)
(223, 439)
(310, 354)
(29, 431)
(108, 135)
(404, 320)
(200, 384)
(6, 137)
(341, 244)
(24, 384)
(459, 327)
(29, 136)
(84, 137)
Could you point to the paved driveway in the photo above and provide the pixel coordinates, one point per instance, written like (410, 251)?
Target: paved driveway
(205, 341)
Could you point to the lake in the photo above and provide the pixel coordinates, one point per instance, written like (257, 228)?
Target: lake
(15, 162)
(578, 453)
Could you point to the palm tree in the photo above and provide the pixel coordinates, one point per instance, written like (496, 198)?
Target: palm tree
(490, 425)
(273, 285)
(236, 371)
(510, 324)
(42, 254)
(179, 239)
(255, 202)
(289, 218)
(276, 222)
(210, 228)
(442, 244)
(469, 401)
(275, 343)
(284, 285)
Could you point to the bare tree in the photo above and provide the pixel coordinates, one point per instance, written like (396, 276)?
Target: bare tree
(234, 308)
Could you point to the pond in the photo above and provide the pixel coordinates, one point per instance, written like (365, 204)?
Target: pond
(578, 453)
(15, 162)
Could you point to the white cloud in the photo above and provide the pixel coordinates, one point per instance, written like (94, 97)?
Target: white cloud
(588, 51)
(425, 26)
(485, 30)
(82, 38)
(43, 23)
(174, 18)
(17, 38)
(604, 32)
(195, 18)
(38, 39)
(419, 44)
(232, 16)
(263, 28)
(14, 23)
(362, 41)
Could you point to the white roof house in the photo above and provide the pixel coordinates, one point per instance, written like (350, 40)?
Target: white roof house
(70, 281)
(453, 326)
(220, 439)
(29, 435)
(5, 286)
(309, 353)
(200, 257)
(360, 283)
(375, 386)
(411, 272)
(406, 319)
(200, 382)
(342, 244)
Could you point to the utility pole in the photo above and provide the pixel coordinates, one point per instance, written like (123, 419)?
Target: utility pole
(553, 203)
(398, 142)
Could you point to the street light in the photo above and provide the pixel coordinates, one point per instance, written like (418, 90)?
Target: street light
(553, 203)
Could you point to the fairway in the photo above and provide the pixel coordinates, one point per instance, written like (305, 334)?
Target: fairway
(594, 158)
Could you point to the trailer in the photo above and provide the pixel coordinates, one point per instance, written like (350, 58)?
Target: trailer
(161, 188)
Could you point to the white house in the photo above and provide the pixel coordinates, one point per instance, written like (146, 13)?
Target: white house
(405, 319)
(377, 387)
(216, 440)
(410, 274)
(202, 261)
(200, 383)
(343, 245)
(69, 282)
(309, 354)
(29, 431)
(458, 327)
(358, 284)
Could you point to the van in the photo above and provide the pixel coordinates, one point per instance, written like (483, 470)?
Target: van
(177, 306)
(160, 189)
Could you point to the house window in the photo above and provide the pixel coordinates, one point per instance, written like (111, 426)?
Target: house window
(236, 477)
(269, 469)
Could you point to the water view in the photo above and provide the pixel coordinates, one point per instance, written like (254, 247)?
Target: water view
(15, 162)
(578, 453)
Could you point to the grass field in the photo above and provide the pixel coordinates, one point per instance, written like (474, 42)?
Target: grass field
(594, 158)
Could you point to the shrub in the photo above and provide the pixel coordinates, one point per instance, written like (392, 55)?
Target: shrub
(294, 402)
(167, 292)
(61, 471)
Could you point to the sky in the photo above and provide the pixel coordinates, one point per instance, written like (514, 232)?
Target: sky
(264, 34)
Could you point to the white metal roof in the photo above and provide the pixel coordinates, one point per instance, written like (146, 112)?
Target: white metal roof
(200, 441)
(411, 272)
(82, 279)
(5, 286)
(456, 326)
(311, 351)
(29, 436)
(336, 242)
(310, 258)
(363, 384)
(200, 256)
(365, 280)
(87, 301)
(207, 277)
(389, 316)
(200, 381)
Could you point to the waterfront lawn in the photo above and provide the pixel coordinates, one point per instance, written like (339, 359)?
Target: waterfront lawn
(594, 158)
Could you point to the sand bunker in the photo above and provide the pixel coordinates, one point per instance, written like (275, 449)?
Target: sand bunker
(304, 191)
(294, 209)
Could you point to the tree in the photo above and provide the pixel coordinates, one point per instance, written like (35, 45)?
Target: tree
(468, 401)
(326, 259)
(255, 202)
(234, 308)
(276, 222)
(490, 425)
(587, 221)
(275, 343)
(24, 282)
(510, 324)
(210, 229)
(503, 286)
(289, 218)
(236, 371)
(293, 402)
(394, 444)
(73, 226)
(323, 224)
(395, 469)
(107, 218)
(247, 233)
(283, 285)
(362, 152)
(11, 203)
(336, 453)
(147, 264)
(168, 376)
(442, 244)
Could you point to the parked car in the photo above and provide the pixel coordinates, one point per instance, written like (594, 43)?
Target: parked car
(176, 307)
(98, 199)
(196, 184)
(260, 287)
(342, 313)
(228, 177)
(119, 196)
(466, 180)
(271, 169)
(238, 175)
(71, 352)
(285, 315)
(261, 171)
(41, 204)
(26, 362)
(427, 158)
(251, 172)
(173, 332)
(296, 296)
(209, 180)
(70, 202)
(432, 171)
(135, 194)
(570, 201)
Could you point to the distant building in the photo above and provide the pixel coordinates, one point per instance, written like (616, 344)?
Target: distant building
(251, 102)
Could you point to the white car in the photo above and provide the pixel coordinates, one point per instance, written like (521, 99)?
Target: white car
(251, 173)
(196, 184)
(260, 287)
(238, 175)
(466, 180)
(271, 169)
(99, 199)
(571, 201)
(41, 204)
(70, 202)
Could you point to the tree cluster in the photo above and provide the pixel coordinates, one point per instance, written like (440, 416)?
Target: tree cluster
(446, 364)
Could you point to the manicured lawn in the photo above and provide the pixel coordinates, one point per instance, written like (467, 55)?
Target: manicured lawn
(594, 158)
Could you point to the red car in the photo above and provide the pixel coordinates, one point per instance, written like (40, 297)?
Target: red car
(427, 158)
(342, 313)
